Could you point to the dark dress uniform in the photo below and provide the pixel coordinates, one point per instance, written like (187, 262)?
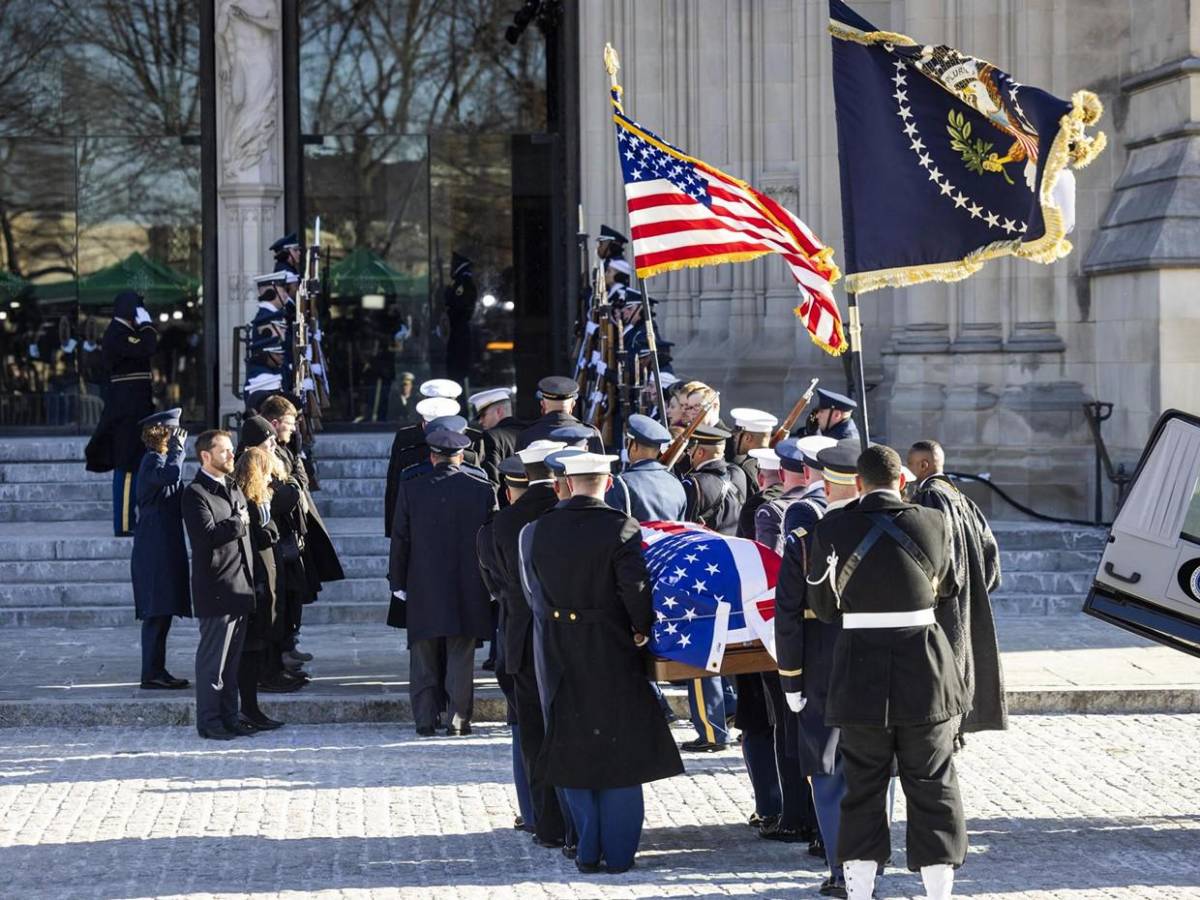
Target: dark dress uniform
(408, 448)
(769, 520)
(745, 527)
(438, 593)
(159, 564)
(459, 301)
(648, 491)
(749, 466)
(541, 428)
(498, 444)
(516, 655)
(590, 592)
(269, 353)
(116, 444)
(222, 593)
(844, 430)
(894, 689)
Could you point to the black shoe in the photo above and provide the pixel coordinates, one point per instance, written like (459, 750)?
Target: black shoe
(461, 731)
(611, 871)
(817, 849)
(700, 745)
(768, 821)
(570, 851)
(164, 684)
(833, 887)
(262, 722)
(784, 833)
(519, 823)
(489, 664)
(178, 683)
(548, 844)
(425, 731)
(279, 685)
(241, 728)
(217, 734)
(588, 868)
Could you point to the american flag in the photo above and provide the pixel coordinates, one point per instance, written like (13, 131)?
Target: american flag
(683, 212)
(710, 590)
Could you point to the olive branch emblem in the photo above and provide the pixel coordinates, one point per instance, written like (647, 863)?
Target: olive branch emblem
(978, 155)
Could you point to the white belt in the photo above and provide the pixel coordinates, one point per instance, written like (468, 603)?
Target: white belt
(908, 619)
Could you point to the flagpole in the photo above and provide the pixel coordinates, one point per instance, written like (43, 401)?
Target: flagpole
(856, 366)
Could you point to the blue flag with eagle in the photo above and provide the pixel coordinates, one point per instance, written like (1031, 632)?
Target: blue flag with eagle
(946, 161)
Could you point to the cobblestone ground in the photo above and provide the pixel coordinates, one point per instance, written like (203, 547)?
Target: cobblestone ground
(1060, 806)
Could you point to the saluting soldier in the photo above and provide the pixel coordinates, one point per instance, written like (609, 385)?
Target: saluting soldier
(833, 416)
(408, 446)
(557, 395)
(127, 347)
(647, 490)
(438, 594)
(527, 503)
(752, 429)
(895, 690)
(804, 650)
(589, 590)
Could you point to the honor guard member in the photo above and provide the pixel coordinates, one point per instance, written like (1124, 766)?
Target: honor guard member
(269, 351)
(801, 477)
(770, 486)
(459, 303)
(556, 463)
(557, 395)
(752, 430)
(527, 504)
(573, 435)
(715, 489)
(438, 594)
(458, 425)
(804, 645)
(647, 490)
(494, 413)
(880, 567)
(588, 587)
(516, 482)
(833, 416)
(127, 348)
(288, 253)
(408, 446)
(610, 244)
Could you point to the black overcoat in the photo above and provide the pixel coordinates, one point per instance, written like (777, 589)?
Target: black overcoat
(270, 571)
(433, 557)
(506, 533)
(127, 351)
(499, 443)
(967, 616)
(590, 591)
(540, 430)
(159, 565)
(408, 448)
(883, 677)
(222, 555)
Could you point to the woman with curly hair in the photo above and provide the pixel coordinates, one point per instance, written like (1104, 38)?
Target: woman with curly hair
(159, 565)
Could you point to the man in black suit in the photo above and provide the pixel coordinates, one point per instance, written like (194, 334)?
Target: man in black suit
(218, 526)
(881, 566)
(438, 594)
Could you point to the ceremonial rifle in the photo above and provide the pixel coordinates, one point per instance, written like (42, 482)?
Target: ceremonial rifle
(786, 426)
(671, 455)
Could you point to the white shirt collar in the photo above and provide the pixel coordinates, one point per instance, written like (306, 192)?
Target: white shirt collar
(220, 481)
(887, 491)
(838, 504)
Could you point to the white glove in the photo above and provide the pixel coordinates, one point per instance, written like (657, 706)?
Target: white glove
(400, 595)
(141, 317)
(796, 701)
(244, 515)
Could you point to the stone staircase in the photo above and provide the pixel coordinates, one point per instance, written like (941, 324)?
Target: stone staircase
(61, 567)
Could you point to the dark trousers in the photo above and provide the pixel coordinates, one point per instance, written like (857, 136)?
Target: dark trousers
(217, 659)
(124, 490)
(609, 823)
(548, 816)
(520, 775)
(712, 701)
(936, 831)
(249, 669)
(827, 794)
(154, 646)
(427, 686)
(793, 787)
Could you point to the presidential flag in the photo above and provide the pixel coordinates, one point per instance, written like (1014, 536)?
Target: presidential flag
(710, 590)
(947, 161)
(684, 212)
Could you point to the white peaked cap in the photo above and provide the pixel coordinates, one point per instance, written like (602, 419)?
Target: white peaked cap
(812, 444)
(434, 407)
(441, 387)
(484, 399)
(753, 419)
(621, 266)
(909, 477)
(767, 458)
(539, 450)
(588, 464)
(667, 379)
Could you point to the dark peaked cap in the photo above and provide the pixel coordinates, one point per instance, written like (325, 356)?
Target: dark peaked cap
(557, 387)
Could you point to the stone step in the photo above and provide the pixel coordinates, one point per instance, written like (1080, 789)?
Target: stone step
(324, 612)
(90, 571)
(120, 593)
(1045, 536)
(1012, 561)
(362, 499)
(70, 492)
(12, 473)
(1065, 583)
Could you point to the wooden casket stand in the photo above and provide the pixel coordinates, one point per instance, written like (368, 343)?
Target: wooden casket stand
(739, 659)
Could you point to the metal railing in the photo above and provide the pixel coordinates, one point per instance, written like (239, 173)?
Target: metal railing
(1098, 412)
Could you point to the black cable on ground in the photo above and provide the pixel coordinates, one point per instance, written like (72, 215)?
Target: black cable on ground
(1022, 507)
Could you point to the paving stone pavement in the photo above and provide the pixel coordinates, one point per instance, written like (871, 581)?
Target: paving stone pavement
(1058, 807)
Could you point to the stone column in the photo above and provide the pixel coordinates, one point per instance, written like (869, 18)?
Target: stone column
(250, 170)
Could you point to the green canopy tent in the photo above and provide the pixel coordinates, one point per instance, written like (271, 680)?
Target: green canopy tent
(158, 283)
(363, 272)
(12, 287)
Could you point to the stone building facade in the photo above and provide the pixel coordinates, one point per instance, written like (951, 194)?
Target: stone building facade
(997, 367)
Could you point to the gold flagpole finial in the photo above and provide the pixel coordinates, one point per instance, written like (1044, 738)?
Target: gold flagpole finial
(611, 63)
